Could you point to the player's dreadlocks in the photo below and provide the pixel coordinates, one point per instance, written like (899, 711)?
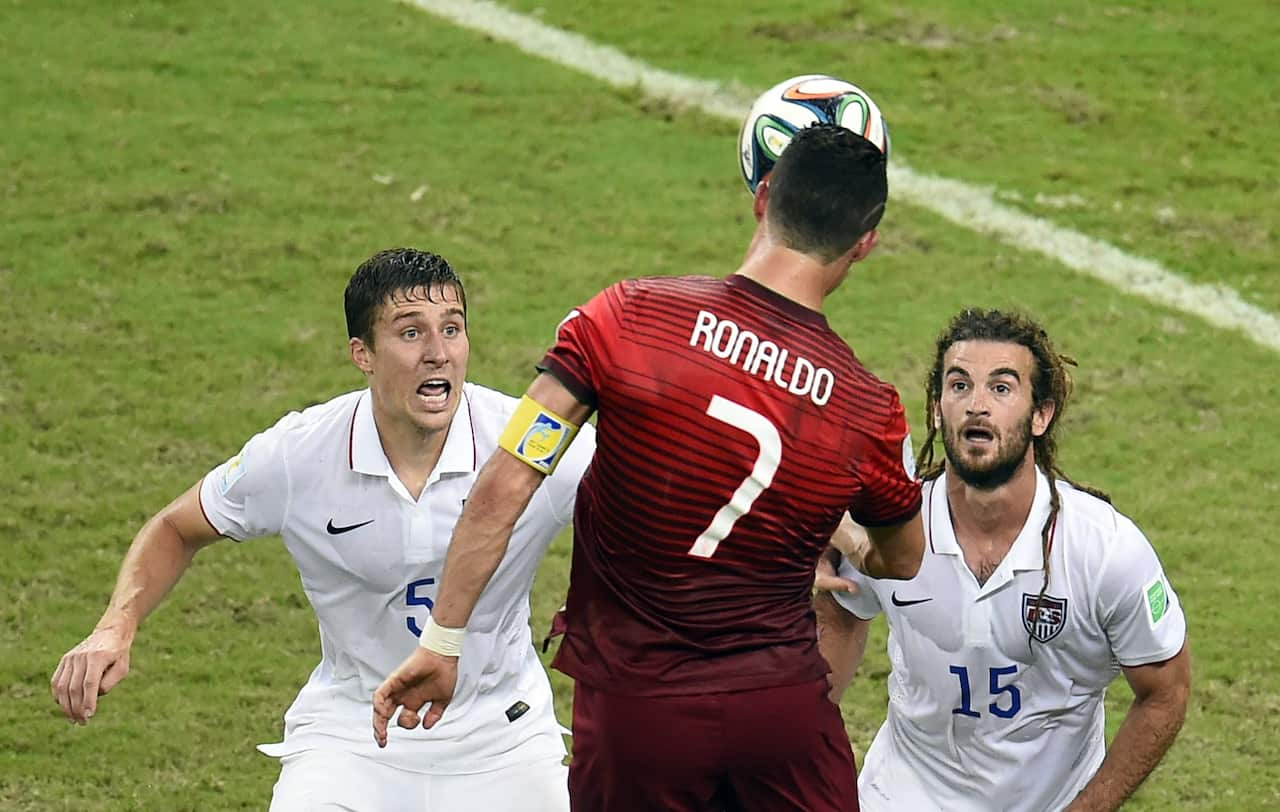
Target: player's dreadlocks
(1050, 383)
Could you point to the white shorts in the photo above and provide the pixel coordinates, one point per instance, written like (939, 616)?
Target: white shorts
(326, 781)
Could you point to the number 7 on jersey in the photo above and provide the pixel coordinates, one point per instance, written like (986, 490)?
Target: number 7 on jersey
(766, 465)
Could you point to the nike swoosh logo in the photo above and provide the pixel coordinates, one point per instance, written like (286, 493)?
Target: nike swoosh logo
(335, 529)
(897, 602)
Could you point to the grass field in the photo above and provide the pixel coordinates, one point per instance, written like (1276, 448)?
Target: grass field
(185, 188)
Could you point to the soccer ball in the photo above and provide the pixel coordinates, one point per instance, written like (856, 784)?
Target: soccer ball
(790, 106)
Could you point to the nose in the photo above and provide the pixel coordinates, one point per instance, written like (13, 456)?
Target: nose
(433, 350)
(977, 402)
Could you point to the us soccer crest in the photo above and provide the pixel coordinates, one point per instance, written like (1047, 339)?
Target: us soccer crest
(1044, 616)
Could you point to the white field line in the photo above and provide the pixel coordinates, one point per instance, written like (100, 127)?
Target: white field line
(964, 204)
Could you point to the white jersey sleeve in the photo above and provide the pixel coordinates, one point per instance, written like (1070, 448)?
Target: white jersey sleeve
(248, 495)
(1136, 606)
(865, 604)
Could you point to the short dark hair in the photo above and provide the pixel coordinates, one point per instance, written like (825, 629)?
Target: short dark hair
(827, 190)
(388, 273)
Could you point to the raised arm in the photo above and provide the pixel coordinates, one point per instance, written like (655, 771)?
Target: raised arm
(160, 554)
(500, 495)
(497, 500)
(1160, 693)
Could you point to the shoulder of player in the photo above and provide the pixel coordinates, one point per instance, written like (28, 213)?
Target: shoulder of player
(296, 442)
(663, 288)
(318, 421)
(868, 401)
(1089, 523)
(649, 284)
(625, 293)
(868, 381)
(642, 299)
(1110, 554)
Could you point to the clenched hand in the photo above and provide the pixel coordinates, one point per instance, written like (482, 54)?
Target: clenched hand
(90, 670)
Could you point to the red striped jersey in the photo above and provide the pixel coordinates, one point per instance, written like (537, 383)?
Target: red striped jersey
(734, 429)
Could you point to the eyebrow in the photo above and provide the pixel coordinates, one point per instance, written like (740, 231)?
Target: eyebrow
(995, 373)
(413, 314)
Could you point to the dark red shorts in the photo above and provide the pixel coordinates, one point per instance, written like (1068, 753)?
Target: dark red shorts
(770, 750)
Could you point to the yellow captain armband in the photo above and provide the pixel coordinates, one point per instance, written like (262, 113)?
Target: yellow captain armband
(537, 436)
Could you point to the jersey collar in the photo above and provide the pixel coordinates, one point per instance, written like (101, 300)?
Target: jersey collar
(794, 309)
(1027, 552)
(366, 456)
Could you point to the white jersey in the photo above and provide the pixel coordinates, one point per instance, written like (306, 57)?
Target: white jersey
(993, 703)
(371, 557)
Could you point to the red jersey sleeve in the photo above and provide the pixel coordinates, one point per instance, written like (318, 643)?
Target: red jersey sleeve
(584, 343)
(890, 493)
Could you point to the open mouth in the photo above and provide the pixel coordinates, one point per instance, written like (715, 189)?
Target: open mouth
(434, 392)
(978, 435)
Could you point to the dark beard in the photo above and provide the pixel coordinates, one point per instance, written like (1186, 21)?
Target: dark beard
(995, 473)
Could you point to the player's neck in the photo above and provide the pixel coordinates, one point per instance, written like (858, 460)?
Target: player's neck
(789, 273)
(991, 517)
(412, 452)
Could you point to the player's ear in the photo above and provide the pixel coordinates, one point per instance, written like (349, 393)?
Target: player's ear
(865, 245)
(761, 202)
(361, 355)
(1041, 417)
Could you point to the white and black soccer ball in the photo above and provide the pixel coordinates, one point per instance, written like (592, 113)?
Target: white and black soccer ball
(788, 107)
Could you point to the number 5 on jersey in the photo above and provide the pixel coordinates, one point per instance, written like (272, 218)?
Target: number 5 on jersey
(412, 598)
(768, 458)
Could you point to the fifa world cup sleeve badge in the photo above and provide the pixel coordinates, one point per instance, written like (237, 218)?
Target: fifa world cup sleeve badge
(537, 436)
(1157, 600)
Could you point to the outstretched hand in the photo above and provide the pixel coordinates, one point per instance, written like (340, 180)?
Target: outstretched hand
(424, 678)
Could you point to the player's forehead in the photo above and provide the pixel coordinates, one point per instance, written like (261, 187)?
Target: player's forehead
(983, 358)
(435, 302)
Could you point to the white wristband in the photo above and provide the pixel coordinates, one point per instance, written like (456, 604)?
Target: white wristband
(443, 641)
